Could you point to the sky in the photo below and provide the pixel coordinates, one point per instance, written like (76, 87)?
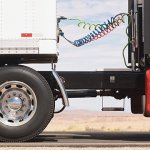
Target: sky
(103, 53)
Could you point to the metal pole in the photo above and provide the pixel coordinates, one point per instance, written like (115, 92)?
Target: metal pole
(133, 61)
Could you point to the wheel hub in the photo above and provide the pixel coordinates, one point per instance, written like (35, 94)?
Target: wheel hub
(14, 104)
(18, 103)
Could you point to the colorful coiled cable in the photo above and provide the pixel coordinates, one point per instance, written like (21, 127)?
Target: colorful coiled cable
(99, 30)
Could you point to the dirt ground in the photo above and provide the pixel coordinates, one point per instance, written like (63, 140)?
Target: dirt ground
(93, 121)
(98, 121)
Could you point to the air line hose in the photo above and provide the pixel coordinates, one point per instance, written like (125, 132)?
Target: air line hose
(99, 30)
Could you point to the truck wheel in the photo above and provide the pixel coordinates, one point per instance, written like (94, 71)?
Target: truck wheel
(26, 104)
(136, 104)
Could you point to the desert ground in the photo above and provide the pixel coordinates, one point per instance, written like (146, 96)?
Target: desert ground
(89, 121)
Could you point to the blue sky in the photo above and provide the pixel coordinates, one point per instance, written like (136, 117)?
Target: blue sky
(104, 53)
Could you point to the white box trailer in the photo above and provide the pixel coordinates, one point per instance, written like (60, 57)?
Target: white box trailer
(28, 30)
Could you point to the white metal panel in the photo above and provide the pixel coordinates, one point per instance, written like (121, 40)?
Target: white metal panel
(28, 46)
(47, 46)
(27, 16)
(19, 43)
(19, 51)
(34, 17)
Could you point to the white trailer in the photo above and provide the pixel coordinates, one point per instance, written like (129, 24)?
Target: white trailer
(28, 27)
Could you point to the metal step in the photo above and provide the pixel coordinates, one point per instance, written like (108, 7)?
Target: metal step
(112, 109)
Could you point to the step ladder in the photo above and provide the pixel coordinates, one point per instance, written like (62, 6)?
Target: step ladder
(113, 108)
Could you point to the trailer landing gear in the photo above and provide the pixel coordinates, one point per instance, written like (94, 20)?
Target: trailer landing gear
(136, 104)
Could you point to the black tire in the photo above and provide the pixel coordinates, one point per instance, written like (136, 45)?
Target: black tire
(136, 104)
(45, 104)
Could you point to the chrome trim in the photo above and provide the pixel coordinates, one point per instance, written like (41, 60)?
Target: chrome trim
(13, 113)
(62, 88)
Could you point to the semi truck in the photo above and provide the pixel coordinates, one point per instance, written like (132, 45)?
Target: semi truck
(29, 33)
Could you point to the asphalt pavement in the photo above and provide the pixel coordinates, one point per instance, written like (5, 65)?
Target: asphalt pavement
(85, 139)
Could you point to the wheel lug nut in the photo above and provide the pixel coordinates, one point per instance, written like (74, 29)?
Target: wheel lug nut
(20, 120)
(14, 94)
(8, 96)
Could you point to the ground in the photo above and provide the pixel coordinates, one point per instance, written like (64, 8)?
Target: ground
(98, 121)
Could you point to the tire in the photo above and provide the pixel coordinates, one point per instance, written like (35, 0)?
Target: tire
(136, 104)
(26, 104)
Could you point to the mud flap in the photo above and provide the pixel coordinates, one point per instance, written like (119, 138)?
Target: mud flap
(146, 102)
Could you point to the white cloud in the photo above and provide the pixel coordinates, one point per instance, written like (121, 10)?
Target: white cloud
(94, 8)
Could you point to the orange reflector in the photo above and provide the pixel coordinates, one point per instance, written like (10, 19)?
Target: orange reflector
(26, 34)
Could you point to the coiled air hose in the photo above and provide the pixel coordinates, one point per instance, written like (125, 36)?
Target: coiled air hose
(99, 30)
